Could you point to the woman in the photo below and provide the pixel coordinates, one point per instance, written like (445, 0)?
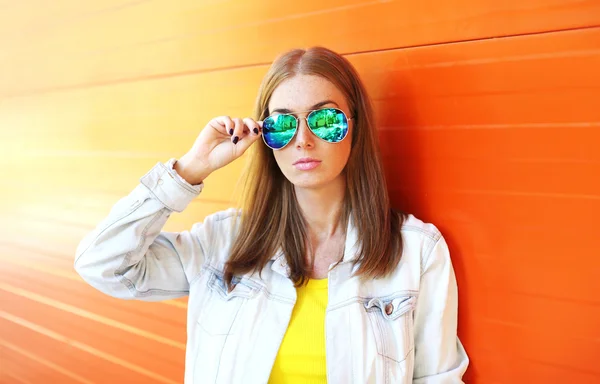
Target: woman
(316, 279)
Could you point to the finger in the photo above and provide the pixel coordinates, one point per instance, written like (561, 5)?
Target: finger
(252, 125)
(224, 124)
(253, 134)
(247, 141)
(238, 130)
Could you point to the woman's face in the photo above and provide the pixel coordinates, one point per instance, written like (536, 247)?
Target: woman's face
(299, 95)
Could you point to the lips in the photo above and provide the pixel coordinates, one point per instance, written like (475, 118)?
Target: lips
(306, 164)
(306, 160)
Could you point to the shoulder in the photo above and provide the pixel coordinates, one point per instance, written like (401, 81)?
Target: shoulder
(420, 239)
(218, 228)
(220, 219)
(225, 216)
(414, 227)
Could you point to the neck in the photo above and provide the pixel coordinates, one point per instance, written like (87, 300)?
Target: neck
(322, 208)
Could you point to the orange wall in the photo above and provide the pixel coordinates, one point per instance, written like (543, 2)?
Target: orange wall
(489, 118)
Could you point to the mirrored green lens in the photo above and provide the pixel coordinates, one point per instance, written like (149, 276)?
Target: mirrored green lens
(330, 124)
(278, 130)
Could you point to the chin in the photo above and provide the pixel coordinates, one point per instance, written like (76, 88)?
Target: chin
(311, 180)
(305, 181)
(306, 184)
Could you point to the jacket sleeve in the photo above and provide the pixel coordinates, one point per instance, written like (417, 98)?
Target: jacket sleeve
(127, 256)
(439, 355)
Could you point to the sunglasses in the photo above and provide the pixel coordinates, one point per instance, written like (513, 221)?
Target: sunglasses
(328, 124)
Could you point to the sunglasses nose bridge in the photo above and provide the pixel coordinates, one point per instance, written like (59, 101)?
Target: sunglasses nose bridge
(303, 132)
(302, 119)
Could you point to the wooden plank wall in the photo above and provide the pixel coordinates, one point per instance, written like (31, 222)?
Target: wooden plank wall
(489, 119)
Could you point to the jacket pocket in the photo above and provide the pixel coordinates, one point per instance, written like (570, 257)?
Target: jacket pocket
(391, 321)
(222, 307)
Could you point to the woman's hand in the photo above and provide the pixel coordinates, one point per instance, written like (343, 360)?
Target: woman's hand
(218, 144)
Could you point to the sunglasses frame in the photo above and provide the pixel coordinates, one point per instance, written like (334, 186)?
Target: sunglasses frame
(310, 112)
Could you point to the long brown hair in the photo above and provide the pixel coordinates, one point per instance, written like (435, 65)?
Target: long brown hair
(271, 218)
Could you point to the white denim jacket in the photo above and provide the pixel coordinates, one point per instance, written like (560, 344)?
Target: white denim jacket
(400, 329)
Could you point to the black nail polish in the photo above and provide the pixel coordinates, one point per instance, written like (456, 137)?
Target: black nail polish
(256, 130)
(231, 131)
(235, 140)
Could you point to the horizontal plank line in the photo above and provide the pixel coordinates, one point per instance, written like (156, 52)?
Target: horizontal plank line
(449, 127)
(553, 298)
(134, 79)
(95, 208)
(79, 18)
(91, 316)
(36, 29)
(12, 376)
(538, 56)
(531, 330)
(70, 276)
(97, 153)
(457, 158)
(496, 37)
(44, 269)
(561, 366)
(89, 15)
(39, 360)
(86, 226)
(432, 191)
(228, 28)
(523, 193)
(84, 347)
(61, 257)
(127, 80)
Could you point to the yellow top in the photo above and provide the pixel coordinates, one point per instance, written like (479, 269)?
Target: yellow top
(301, 357)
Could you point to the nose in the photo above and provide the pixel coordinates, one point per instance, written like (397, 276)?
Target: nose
(304, 137)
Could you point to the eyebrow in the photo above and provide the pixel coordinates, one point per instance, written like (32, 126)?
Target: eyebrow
(316, 106)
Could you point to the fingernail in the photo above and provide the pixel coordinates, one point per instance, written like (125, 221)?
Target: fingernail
(235, 140)
(256, 130)
(231, 131)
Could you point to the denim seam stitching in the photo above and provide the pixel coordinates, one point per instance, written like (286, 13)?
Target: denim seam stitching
(158, 198)
(379, 321)
(226, 337)
(429, 234)
(260, 287)
(168, 171)
(206, 258)
(206, 255)
(106, 228)
(429, 252)
(127, 282)
(359, 299)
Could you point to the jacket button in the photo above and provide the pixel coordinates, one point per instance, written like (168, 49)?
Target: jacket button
(389, 309)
